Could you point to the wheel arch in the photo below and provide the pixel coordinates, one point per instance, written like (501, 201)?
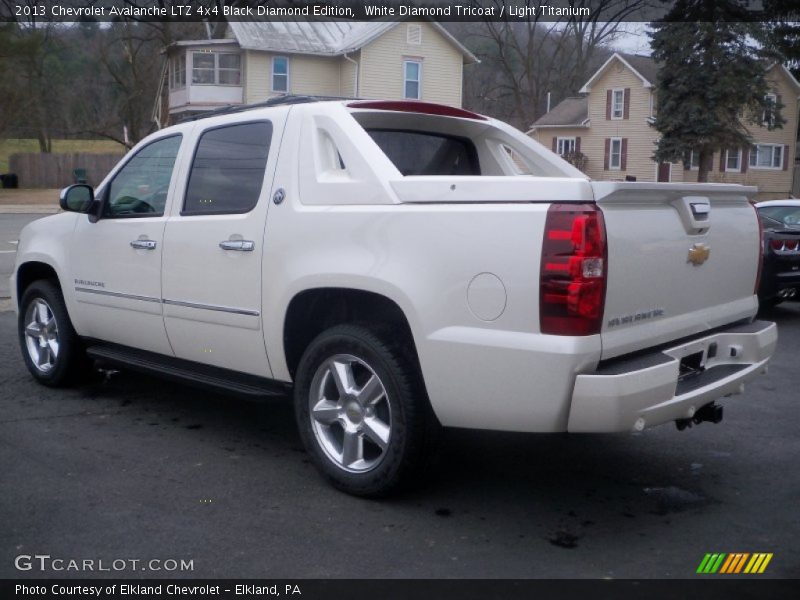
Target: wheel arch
(34, 270)
(312, 311)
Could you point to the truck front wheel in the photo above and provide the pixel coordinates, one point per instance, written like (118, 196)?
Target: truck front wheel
(362, 411)
(52, 350)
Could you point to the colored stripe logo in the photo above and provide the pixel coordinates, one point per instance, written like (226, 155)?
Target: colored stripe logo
(734, 563)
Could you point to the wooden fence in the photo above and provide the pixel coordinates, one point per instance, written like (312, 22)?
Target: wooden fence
(40, 170)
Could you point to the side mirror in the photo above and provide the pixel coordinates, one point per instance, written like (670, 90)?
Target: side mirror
(77, 198)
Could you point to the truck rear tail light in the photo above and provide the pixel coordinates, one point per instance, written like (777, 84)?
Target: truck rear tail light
(776, 244)
(792, 244)
(572, 278)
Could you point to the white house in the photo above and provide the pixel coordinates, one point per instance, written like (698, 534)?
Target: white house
(259, 60)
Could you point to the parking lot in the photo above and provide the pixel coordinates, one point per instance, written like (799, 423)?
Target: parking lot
(136, 468)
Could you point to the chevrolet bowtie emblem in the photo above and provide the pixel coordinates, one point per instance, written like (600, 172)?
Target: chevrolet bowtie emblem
(699, 253)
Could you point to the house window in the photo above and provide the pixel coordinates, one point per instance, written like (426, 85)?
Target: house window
(280, 74)
(694, 159)
(615, 154)
(177, 72)
(768, 116)
(229, 69)
(412, 79)
(212, 68)
(203, 68)
(733, 160)
(414, 34)
(617, 104)
(565, 145)
(766, 156)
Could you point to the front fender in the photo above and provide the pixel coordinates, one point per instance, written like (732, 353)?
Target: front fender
(45, 241)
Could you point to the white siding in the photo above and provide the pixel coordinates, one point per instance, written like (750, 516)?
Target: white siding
(640, 135)
(382, 66)
(348, 74)
(257, 76)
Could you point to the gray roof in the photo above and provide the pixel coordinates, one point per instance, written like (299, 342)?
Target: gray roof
(570, 111)
(322, 38)
(645, 66)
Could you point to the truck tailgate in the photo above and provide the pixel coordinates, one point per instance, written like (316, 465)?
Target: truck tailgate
(682, 258)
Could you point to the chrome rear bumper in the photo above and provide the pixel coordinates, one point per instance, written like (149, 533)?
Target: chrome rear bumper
(648, 390)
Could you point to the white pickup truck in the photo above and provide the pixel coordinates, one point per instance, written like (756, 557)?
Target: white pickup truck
(397, 267)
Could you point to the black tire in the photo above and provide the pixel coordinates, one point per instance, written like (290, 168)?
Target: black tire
(413, 427)
(71, 363)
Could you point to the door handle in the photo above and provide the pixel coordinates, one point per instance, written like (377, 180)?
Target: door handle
(143, 244)
(238, 245)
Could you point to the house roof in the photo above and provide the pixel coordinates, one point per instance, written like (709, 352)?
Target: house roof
(574, 111)
(646, 69)
(643, 67)
(321, 38)
(570, 112)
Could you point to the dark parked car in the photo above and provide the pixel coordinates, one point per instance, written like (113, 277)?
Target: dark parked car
(780, 278)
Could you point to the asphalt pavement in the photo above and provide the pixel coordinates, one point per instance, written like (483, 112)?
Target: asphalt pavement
(136, 468)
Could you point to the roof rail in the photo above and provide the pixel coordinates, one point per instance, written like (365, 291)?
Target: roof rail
(276, 101)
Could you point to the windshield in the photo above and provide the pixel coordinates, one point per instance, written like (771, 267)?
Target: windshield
(786, 216)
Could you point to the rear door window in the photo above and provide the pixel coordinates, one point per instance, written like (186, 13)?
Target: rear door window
(228, 169)
(423, 153)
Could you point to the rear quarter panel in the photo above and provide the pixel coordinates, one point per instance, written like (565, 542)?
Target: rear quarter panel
(497, 374)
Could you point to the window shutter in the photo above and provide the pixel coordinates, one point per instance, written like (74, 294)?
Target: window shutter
(577, 144)
(722, 157)
(785, 157)
(607, 154)
(555, 143)
(626, 103)
(608, 105)
(623, 159)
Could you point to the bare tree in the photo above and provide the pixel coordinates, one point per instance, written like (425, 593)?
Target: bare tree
(11, 96)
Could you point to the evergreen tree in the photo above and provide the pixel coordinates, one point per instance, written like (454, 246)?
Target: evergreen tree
(782, 32)
(711, 80)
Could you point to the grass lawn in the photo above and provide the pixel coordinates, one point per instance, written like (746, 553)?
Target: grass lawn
(39, 197)
(9, 147)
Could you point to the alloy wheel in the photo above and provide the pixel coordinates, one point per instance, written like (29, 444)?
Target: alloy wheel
(350, 413)
(41, 335)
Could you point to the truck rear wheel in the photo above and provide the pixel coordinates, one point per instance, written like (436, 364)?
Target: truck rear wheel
(52, 350)
(362, 411)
